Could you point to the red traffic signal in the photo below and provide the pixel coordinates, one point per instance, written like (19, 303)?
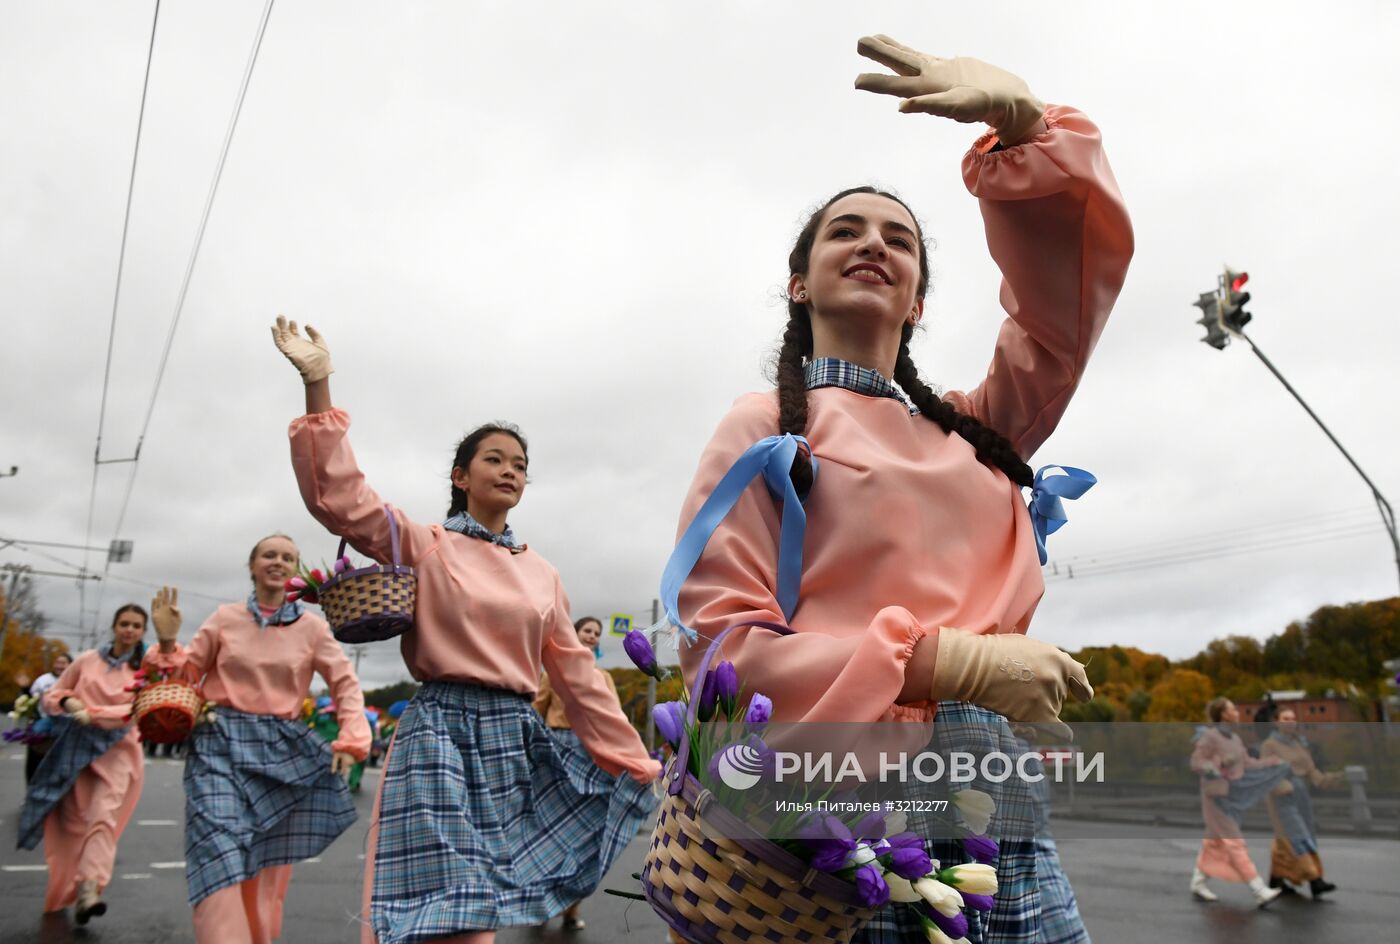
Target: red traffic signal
(1238, 281)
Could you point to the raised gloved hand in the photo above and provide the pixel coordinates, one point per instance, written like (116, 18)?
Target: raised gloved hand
(963, 89)
(309, 355)
(1020, 678)
(165, 614)
(341, 762)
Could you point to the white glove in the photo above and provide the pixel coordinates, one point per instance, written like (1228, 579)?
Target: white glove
(1019, 678)
(310, 357)
(963, 89)
(165, 614)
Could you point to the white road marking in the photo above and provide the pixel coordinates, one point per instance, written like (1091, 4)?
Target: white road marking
(168, 865)
(24, 868)
(135, 875)
(157, 822)
(312, 859)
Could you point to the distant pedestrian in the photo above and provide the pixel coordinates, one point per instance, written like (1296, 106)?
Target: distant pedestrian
(1231, 782)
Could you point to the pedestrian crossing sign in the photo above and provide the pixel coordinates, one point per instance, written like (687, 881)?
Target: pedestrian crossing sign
(621, 624)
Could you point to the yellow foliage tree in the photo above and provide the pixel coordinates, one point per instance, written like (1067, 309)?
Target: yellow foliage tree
(1181, 695)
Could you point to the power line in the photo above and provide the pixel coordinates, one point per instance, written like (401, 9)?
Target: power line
(189, 271)
(1210, 538)
(1093, 569)
(116, 297)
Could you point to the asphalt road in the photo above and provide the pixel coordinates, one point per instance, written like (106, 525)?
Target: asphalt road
(1131, 891)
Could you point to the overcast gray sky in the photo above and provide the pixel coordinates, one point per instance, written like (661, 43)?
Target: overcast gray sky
(577, 216)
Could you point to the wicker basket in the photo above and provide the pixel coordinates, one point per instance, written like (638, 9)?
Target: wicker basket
(715, 880)
(369, 604)
(166, 711)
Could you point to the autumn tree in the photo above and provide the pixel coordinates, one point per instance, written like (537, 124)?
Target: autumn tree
(1181, 695)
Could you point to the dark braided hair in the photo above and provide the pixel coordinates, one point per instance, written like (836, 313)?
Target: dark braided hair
(992, 448)
(467, 448)
(138, 651)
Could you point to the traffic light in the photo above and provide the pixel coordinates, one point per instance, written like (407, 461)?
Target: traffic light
(1209, 305)
(1234, 299)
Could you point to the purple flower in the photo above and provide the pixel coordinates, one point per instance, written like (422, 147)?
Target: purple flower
(670, 722)
(760, 711)
(727, 687)
(955, 927)
(910, 862)
(767, 757)
(829, 840)
(906, 840)
(978, 902)
(640, 652)
(871, 828)
(830, 855)
(709, 698)
(981, 849)
(870, 885)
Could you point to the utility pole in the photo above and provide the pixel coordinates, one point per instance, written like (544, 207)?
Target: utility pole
(651, 686)
(1224, 317)
(357, 652)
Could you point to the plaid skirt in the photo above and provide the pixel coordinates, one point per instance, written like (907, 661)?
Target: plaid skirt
(258, 792)
(77, 746)
(488, 821)
(1016, 919)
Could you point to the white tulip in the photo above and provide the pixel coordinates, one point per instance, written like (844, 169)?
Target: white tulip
(901, 889)
(973, 878)
(860, 855)
(976, 808)
(942, 898)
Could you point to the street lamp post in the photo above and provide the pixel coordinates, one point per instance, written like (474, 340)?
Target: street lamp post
(1224, 317)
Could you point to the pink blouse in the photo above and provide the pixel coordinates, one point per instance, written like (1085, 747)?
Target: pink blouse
(906, 530)
(486, 615)
(267, 670)
(99, 686)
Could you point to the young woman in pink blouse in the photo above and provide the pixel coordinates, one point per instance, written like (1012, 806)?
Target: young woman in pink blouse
(262, 791)
(919, 572)
(87, 786)
(481, 821)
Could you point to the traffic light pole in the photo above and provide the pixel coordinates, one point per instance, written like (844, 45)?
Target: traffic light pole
(1387, 513)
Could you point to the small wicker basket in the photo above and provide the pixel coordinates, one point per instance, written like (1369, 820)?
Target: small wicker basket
(715, 880)
(372, 603)
(165, 712)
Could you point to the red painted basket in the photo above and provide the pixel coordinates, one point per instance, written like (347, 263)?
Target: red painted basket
(165, 712)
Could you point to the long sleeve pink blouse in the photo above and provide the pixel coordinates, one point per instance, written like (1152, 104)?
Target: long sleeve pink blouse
(99, 686)
(486, 615)
(906, 530)
(267, 670)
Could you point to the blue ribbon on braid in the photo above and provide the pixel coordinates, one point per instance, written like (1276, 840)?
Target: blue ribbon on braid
(771, 458)
(1047, 494)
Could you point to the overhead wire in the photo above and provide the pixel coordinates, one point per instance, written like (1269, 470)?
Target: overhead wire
(116, 299)
(189, 274)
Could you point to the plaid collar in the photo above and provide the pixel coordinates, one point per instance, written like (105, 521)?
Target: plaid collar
(834, 372)
(464, 523)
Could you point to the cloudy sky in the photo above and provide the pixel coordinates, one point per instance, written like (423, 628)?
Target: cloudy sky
(577, 216)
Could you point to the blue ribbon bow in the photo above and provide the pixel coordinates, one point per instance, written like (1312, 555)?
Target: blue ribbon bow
(772, 458)
(1046, 506)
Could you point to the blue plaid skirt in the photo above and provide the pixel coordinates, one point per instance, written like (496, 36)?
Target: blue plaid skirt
(488, 821)
(1016, 919)
(77, 746)
(258, 792)
(1060, 921)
